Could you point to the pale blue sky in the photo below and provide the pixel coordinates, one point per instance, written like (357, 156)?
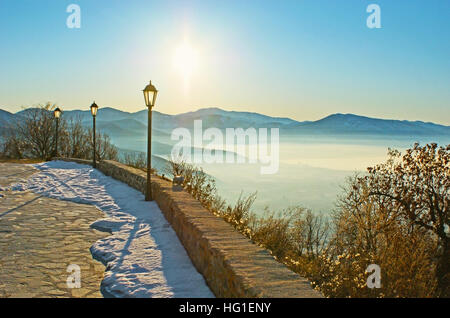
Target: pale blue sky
(300, 59)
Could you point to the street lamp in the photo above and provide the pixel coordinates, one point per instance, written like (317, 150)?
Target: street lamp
(94, 109)
(57, 113)
(150, 93)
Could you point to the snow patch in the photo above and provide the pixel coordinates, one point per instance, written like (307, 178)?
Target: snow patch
(143, 256)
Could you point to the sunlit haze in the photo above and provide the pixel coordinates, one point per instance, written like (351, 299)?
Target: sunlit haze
(298, 59)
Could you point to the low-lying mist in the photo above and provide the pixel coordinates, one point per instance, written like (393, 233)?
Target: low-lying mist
(311, 168)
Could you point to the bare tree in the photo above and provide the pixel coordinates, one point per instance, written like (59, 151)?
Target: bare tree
(105, 150)
(136, 160)
(408, 193)
(36, 131)
(310, 234)
(34, 136)
(75, 140)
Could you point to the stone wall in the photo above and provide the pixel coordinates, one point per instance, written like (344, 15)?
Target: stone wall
(81, 161)
(231, 264)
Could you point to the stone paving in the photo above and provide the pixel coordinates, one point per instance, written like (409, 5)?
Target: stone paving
(40, 237)
(14, 172)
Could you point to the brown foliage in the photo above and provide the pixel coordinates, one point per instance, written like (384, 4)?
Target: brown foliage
(416, 187)
(395, 216)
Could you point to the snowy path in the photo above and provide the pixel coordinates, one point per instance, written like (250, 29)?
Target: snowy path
(143, 255)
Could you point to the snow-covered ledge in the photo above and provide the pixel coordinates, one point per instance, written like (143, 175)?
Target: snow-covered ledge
(232, 265)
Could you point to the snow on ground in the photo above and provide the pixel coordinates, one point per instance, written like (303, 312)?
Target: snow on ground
(143, 256)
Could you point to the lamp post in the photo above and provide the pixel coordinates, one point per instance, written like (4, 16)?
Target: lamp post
(57, 113)
(150, 93)
(94, 109)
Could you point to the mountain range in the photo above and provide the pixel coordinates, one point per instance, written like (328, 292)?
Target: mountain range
(117, 123)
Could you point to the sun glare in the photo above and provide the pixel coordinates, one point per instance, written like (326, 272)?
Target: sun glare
(185, 60)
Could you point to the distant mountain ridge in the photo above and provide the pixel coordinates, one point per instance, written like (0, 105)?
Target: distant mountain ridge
(5, 117)
(350, 123)
(120, 123)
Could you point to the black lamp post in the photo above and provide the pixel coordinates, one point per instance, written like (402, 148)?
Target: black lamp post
(57, 113)
(94, 109)
(150, 93)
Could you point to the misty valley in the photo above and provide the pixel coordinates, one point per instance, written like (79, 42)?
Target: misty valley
(315, 158)
(311, 172)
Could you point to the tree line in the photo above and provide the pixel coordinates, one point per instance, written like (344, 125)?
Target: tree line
(33, 135)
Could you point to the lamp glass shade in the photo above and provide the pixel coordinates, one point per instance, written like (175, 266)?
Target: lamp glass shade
(150, 93)
(57, 112)
(94, 109)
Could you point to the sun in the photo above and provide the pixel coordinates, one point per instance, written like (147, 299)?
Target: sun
(185, 60)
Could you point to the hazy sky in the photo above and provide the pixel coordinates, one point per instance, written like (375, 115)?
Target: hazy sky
(299, 59)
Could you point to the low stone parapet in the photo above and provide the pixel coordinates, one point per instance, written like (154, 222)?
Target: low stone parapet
(231, 264)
